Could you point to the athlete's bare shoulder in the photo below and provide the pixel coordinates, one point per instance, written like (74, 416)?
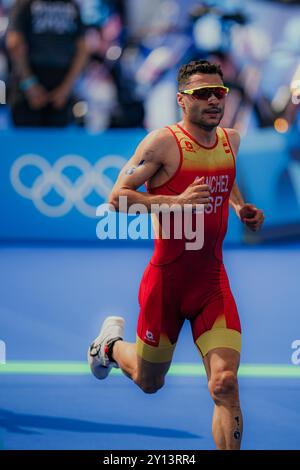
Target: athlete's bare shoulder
(234, 138)
(151, 155)
(157, 143)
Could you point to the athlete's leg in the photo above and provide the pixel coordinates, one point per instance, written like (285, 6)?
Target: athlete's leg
(147, 375)
(109, 350)
(148, 361)
(159, 324)
(125, 356)
(221, 365)
(217, 334)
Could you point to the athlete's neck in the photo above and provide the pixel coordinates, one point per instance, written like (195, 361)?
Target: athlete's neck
(207, 138)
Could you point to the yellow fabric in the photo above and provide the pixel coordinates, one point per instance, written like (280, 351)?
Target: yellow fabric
(219, 338)
(162, 353)
(197, 157)
(220, 322)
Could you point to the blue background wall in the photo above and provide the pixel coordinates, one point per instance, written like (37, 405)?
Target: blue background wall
(52, 182)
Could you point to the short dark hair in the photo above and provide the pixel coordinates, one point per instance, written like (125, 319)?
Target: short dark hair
(194, 67)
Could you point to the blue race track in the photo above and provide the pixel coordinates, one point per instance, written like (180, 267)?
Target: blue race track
(52, 302)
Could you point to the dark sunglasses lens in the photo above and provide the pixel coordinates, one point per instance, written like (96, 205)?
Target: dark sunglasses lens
(220, 93)
(206, 93)
(202, 94)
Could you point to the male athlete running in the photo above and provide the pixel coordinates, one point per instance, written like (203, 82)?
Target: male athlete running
(192, 162)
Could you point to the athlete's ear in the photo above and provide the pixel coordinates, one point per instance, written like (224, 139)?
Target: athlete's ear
(180, 101)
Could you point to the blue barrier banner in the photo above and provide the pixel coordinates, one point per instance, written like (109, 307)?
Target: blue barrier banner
(52, 182)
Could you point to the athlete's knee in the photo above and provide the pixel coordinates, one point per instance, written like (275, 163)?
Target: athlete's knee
(150, 385)
(223, 387)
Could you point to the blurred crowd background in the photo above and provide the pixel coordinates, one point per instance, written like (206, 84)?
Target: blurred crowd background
(133, 51)
(104, 72)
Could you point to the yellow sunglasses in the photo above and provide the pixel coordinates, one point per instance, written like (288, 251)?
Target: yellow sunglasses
(205, 92)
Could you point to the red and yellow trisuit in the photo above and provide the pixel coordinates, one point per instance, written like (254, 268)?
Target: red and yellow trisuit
(181, 283)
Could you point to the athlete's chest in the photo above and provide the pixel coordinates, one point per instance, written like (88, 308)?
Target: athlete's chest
(215, 164)
(190, 160)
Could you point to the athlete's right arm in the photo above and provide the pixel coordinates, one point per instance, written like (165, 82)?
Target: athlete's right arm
(150, 156)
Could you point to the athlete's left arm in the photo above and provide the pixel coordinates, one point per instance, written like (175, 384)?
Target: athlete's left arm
(247, 213)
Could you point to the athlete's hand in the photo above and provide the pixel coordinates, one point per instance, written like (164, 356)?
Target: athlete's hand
(196, 193)
(251, 216)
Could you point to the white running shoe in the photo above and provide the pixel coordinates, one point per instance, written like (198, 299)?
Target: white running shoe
(100, 364)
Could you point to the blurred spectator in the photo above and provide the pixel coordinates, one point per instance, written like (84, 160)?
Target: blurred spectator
(46, 44)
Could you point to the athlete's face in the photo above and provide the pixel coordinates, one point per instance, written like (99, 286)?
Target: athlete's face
(207, 113)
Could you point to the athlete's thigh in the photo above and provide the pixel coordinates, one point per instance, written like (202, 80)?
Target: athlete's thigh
(217, 325)
(159, 322)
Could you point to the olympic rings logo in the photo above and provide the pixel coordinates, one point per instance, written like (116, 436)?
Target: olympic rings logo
(73, 193)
